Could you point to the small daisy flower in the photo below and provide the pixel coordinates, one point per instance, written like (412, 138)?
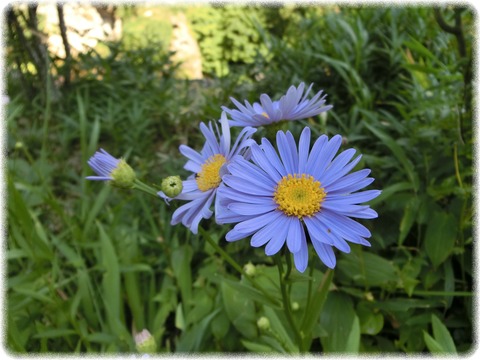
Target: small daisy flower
(111, 169)
(278, 199)
(208, 167)
(294, 105)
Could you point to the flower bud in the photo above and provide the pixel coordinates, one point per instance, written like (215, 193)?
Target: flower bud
(263, 323)
(172, 186)
(249, 269)
(123, 175)
(144, 342)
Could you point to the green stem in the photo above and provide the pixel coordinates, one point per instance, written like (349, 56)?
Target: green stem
(286, 303)
(138, 185)
(235, 265)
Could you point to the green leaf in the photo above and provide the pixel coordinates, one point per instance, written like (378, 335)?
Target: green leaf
(432, 344)
(440, 237)
(371, 322)
(352, 345)
(279, 329)
(256, 347)
(398, 152)
(338, 319)
(240, 311)
(316, 304)
(368, 269)
(54, 333)
(181, 258)
(442, 336)
(409, 216)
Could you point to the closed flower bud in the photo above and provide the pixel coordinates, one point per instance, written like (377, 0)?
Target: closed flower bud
(250, 269)
(263, 323)
(172, 186)
(145, 343)
(295, 306)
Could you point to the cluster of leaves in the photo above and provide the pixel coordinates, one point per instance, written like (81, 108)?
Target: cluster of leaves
(227, 35)
(86, 264)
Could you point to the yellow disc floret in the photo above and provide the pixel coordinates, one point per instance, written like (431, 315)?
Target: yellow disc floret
(209, 176)
(299, 195)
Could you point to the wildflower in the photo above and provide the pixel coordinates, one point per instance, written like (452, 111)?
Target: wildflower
(294, 105)
(275, 198)
(111, 169)
(208, 166)
(145, 342)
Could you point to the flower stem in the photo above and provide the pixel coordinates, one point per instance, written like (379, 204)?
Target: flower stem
(235, 265)
(286, 302)
(138, 185)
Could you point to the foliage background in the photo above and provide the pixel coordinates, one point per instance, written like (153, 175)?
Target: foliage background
(86, 264)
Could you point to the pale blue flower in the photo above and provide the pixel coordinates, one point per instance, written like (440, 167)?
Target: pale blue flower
(111, 169)
(103, 164)
(207, 168)
(294, 105)
(279, 198)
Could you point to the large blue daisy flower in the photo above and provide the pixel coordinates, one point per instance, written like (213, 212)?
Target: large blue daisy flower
(294, 105)
(276, 198)
(207, 169)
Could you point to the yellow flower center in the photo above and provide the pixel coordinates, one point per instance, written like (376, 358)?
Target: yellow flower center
(209, 176)
(299, 195)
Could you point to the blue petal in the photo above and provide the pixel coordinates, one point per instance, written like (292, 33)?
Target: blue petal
(336, 166)
(342, 225)
(272, 156)
(250, 172)
(279, 237)
(315, 154)
(286, 152)
(209, 135)
(328, 153)
(255, 223)
(355, 198)
(249, 209)
(241, 185)
(188, 152)
(318, 231)
(260, 159)
(348, 180)
(303, 148)
(241, 197)
(295, 230)
(99, 178)
(262, 236)
(325, 253)
(301, 257)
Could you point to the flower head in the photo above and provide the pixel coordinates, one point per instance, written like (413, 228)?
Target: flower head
(294, 105)
(145, 342)
(172, 186)
(207, 169)
(111, 169)
(277, 199)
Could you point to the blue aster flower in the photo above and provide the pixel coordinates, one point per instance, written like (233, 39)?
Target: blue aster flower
(278, 198)
(207, 169)
(294, 105)
(109, 168)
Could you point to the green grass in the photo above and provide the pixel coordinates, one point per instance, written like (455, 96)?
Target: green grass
(86, 263)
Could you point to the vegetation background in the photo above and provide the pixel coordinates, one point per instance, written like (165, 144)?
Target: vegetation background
(86, 265)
